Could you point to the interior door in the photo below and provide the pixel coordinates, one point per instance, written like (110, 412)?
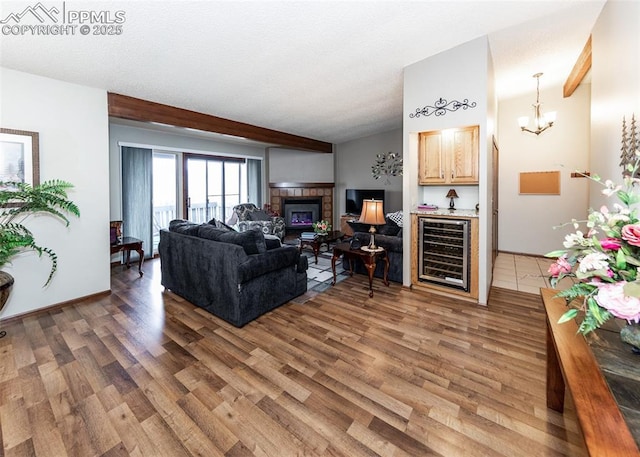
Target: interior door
(494, 202)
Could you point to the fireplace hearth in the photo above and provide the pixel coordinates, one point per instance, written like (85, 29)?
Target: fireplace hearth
(301, 213)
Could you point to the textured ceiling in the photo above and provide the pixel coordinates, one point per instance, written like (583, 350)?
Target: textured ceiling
(331, 71)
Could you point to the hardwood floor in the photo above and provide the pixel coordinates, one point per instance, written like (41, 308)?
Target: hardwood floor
(144, 373)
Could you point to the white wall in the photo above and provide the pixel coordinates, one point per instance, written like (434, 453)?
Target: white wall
(460, 73)
(73, 126)
(354, 160)
(615, 88)
(290, 165)
(526, 222)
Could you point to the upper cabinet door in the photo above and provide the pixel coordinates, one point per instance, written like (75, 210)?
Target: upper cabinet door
(448, 156)
(431, 158)
(464, 156)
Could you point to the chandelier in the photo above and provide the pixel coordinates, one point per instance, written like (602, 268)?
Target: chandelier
(541, 122)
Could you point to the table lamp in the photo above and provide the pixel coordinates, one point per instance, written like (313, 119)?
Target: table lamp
(372, 213)
(452, 194)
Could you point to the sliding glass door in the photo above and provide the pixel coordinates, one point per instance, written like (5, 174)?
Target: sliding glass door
(165, 192)
(214, 185)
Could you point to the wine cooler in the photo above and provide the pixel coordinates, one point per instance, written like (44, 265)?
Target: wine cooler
(443, 251)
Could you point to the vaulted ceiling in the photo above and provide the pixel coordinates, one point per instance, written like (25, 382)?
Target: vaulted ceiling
(328, 70)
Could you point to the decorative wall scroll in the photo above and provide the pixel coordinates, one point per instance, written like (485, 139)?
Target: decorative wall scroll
(442, 106)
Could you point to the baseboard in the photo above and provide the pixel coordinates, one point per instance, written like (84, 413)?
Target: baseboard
(55, 306)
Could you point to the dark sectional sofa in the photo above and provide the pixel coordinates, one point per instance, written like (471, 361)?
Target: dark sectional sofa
(235, 276)
(389, 237)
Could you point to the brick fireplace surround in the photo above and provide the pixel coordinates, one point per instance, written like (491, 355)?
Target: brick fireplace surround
(283, 190)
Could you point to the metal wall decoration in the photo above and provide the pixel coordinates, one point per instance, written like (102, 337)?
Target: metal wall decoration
(630, 147)
(387, 164)
(442, 106)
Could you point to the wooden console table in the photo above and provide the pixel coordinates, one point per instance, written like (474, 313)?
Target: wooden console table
(126, 245)
(571, 362)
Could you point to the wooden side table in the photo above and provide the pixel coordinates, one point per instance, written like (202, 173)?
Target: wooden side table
(368, 258)
(126, 245)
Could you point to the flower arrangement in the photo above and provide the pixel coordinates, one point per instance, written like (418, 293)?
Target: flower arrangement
(321, 226)
(605, 257)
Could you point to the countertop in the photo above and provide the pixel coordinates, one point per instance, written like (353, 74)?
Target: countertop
(466, 213)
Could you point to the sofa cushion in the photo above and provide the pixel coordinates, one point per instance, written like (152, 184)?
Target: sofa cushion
(359, 226)
(184, 227)
(210, 232)
(389, 228)
(252, 241)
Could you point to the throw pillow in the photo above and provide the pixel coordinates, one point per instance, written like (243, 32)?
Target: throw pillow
(258, 215)
(390, 228)
(219, 224)
(252, 241)
(184, 227)
(396, 217)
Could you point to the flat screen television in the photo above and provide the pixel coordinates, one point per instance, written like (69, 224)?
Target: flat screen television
(354, 198)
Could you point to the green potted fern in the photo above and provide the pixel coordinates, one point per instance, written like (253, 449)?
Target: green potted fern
(18, 201)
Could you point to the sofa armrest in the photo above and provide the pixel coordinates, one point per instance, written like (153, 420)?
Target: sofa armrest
(303, 264)
(272, 260)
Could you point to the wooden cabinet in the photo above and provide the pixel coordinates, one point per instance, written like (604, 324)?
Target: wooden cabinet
(448, 156)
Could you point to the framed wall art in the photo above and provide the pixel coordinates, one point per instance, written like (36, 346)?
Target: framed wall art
(19, 156)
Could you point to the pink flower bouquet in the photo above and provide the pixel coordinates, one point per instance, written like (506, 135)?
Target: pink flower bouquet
(604, 259)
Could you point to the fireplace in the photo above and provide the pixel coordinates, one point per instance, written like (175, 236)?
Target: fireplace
(296, 193)
(301, 213)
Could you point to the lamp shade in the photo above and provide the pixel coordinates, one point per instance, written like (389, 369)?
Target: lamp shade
(372, 212)
(452, 194)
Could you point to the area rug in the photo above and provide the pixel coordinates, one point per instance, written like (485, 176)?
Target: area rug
(319, 275)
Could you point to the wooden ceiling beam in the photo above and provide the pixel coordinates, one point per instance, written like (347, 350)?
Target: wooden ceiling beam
(125, 107)
(580, 69)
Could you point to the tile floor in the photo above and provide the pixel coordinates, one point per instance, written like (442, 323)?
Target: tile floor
(523, 273)
(511, 271)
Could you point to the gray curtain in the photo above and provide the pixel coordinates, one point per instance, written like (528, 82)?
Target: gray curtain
(254, 181)
(137, 205)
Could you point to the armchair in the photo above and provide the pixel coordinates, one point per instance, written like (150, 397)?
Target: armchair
(249, 216)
